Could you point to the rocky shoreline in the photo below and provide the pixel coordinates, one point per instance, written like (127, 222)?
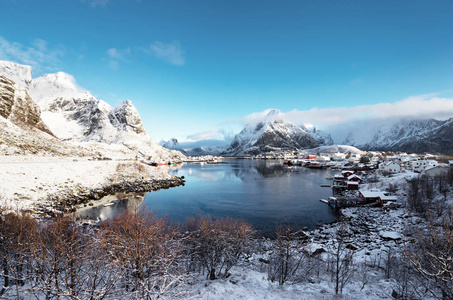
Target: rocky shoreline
(67, 201)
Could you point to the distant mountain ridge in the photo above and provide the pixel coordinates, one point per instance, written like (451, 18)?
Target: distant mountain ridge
(271, 134)
(414, 136)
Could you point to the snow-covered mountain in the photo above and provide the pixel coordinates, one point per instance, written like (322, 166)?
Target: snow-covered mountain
(414, 136)
(195, 148)
(271, 134)
(172, 144)
(71, 113)
(17, 106)
(321, 137)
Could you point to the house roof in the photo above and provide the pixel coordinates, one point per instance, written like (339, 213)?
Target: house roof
(389, 198)
(372, 193)
(354, 176)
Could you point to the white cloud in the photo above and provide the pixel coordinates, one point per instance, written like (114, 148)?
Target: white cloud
(96, 3)
(221, 134)
(118, 53)
(417, 107)
(39, 55)
(172, 52)
(114, 55)
(364, 119)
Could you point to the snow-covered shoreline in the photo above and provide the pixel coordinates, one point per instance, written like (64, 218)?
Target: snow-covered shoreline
(27, 181)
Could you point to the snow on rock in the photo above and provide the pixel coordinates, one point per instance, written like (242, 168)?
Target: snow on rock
(336, 149)
(321, 137)
(390, 235)
(271, 134)
(73, 114)
(20, 74)
(32, 178)
(407, 135)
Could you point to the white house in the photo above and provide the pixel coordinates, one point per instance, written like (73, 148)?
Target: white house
(390, 167)
(421, 165)
(376, 195)
(338, 156)
(323, 158)
(355, 157)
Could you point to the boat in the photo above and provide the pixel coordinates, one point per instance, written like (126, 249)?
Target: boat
(324, 201)
(155, 164)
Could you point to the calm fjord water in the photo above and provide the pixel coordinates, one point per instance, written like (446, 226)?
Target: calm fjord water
(263, 192)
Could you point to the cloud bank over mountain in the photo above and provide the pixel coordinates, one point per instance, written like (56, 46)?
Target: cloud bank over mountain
(365, 119)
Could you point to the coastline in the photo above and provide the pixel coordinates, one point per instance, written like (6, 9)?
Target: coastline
(43, 183)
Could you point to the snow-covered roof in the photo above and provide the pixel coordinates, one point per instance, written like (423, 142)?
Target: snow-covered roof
(354, 176)
(372, 193)
(388, 198)
(352, 183)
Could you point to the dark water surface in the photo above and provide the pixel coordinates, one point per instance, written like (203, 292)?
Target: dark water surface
(263, 192)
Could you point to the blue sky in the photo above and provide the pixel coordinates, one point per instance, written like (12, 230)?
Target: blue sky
(209, 66)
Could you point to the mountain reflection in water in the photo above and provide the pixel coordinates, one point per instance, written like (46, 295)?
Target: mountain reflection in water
(263, 192)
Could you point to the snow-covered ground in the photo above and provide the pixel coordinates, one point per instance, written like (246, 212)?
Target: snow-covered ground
(26, 180)
(371, 231)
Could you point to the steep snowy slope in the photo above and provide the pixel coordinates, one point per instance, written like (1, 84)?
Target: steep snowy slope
(17, 106)
(321, 137)
(271, 134)
(414, 136)
(73, 114)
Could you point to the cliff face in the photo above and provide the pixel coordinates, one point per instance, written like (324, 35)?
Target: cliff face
(18, 107)
(56, 105)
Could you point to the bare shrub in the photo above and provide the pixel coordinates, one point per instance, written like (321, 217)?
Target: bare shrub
(59, 259)
(341, 260)
(17, 232)
(287, 259)
(145, 249)
(431, 256)
(219, 244)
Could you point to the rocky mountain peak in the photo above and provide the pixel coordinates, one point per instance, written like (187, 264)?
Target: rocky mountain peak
(20, 74)
(270, 135)
(128, 116)
(17, 106)
(273, 115)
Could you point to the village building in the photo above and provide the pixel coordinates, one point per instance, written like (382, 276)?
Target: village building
(376, 195)
(338, 156)
(355, 177)
(352, 185)
(420, 165)
(390, 166)
(355, 157)
(323, 159)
